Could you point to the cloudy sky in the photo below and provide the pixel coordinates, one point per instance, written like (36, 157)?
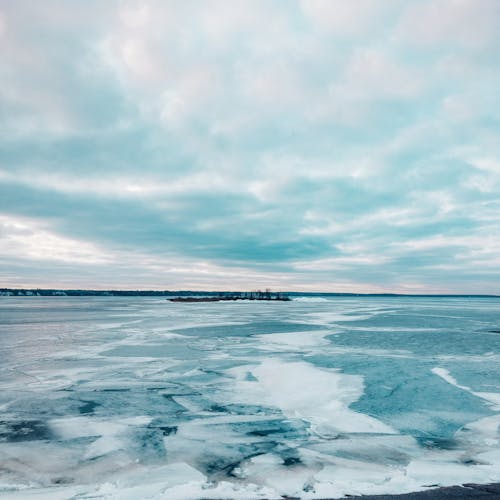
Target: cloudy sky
(326, 145)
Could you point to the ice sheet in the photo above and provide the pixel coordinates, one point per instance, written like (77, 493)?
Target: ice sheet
(142, 398)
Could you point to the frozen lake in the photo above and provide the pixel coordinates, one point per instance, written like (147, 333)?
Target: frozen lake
(319, 397)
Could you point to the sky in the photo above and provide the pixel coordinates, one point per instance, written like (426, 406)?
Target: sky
(316, 145)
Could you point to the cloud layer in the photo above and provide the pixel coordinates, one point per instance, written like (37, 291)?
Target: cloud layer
(313, 144)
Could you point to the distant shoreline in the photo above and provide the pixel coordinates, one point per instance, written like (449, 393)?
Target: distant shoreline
(228, 299)
(52, 292)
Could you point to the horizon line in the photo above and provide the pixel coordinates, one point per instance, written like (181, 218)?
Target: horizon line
(191, 291)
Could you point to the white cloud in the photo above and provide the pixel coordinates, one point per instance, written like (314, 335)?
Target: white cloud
(369, 76)
(342, 18)
(487, 164)
(113, 186)
(373, 72)
(2, 24)
(24, 238)
(138, 59)
(335, 263)
(469, 23)
(136, 15)
(478, 251)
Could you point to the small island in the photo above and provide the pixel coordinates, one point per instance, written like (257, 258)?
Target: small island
(257, 295)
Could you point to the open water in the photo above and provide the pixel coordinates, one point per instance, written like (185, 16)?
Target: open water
(132, 398)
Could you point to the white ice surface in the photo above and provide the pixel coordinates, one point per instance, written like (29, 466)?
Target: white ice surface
(301, 390)
(310, 299)
(293, 341)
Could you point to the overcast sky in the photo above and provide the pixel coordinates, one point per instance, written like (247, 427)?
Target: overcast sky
(326, 145)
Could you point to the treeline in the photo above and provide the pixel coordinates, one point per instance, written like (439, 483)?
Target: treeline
(94, 293)
(231, 296)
